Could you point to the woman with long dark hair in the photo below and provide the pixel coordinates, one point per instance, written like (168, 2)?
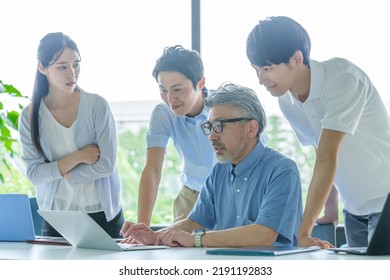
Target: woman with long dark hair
(69, 142)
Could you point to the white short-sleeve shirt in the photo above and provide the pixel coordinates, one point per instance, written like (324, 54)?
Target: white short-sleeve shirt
(342, 98)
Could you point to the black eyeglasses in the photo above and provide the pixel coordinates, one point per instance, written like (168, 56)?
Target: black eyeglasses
(218, 125)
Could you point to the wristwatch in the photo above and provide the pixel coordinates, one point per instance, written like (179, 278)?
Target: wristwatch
(198, 233)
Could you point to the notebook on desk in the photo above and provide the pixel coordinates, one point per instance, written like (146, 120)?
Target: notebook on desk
(262, 251)
(83, 232)
(380, 240)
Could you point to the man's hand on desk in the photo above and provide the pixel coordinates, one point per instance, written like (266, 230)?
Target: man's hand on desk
(176, 237)
(307, 241)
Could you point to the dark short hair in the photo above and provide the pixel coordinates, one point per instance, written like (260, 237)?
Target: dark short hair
(275, 40)
(245, 98)
(179, 59)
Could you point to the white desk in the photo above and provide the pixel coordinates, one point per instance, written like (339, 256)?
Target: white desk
(26, 251)
(30, 261)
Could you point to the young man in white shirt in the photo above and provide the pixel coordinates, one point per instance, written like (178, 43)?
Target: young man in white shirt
(333, 106)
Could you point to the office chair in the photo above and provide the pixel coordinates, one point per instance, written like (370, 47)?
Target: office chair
(325, 232)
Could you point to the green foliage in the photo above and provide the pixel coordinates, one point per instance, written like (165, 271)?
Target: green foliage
(8, 123)
(131, 161)
(282, 139)
(16, 182)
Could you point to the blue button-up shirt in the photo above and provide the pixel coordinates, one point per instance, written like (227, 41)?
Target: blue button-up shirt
(264, 188)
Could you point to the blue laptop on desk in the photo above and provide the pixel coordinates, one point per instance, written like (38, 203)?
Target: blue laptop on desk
(16, 223)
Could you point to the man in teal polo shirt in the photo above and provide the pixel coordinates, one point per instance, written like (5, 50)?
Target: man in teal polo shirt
(180, 76)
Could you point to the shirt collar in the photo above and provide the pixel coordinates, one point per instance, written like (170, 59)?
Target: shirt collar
(317, 77)
(200, 117)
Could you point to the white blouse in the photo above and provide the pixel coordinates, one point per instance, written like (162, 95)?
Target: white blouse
(71, 197)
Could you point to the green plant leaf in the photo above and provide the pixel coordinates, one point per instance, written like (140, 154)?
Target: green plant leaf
(8, 146)
(10, 89)
(8, 122)
(5, 132)
(12, 119)
(6, 164)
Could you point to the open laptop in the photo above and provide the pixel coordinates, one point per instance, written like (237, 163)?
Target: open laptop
(380, 240)
(83, 232)
(16, 222)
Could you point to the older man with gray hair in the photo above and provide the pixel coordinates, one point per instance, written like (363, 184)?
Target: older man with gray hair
(253, 195)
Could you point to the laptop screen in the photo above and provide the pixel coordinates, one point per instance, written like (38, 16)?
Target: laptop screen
(16, 222)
